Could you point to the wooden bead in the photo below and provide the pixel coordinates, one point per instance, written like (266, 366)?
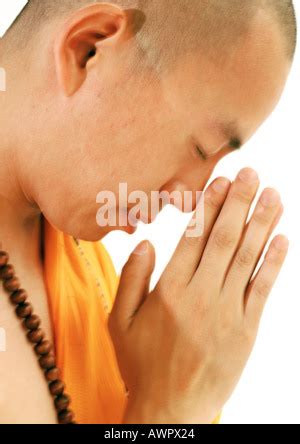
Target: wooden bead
(18, 297)
(12, 284)
(43, 348)
(65, 417)
(32, 322)
(36, 336)
(47, 361)
(4, 258)
(24, 310)
(52, 375)
(7, 272)
(57, 387)
(62, 402)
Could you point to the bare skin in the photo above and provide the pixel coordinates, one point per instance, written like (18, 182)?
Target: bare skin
(83, 131)
(183, 347)
(173, 313)
(24, 397)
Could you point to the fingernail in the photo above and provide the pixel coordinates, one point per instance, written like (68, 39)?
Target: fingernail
(281, 243)
(221, 185)
(248, 176)
(141, 249)
(270, 198)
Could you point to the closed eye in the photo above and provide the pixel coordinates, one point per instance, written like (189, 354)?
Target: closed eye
(201, 153)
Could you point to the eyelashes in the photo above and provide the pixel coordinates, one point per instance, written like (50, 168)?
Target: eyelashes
(201, 153)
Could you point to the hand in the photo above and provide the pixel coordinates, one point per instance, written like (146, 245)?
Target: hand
(182, 348)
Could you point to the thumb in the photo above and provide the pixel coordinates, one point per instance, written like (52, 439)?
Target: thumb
(134, 284)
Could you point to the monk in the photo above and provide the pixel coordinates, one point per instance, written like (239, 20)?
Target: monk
(153, 94)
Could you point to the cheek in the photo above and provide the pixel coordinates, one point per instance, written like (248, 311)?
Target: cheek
(136, 143)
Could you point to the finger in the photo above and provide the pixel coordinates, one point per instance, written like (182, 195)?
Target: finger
(133, 286)
(228, 230)
(189, 250)
(261, 286)
(277, 219)
(275, 223)
(253, 244)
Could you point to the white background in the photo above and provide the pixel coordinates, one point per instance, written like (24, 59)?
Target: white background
(269, 392)
(9, 10)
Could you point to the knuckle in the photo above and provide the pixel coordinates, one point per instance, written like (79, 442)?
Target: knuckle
(275, 260)
(243, 197)
(207, 271)
(261, 218)
(192, 241)
(241, 334)
(245, 257)
(262, 288)
(213, 202)
(223, 238)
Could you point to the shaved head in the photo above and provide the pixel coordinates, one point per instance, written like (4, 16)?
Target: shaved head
(151, 93)
(165, 29)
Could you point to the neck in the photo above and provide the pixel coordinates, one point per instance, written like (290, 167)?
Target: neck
(20, 219)
(20, 236)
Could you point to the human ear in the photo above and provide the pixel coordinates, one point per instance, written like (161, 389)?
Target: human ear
(78, 47)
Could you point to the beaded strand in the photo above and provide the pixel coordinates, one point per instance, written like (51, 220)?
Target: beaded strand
(36, 336)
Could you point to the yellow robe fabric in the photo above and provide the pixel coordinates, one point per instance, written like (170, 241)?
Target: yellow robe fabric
(83, 346)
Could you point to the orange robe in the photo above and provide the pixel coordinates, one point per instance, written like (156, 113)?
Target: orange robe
(83, 346)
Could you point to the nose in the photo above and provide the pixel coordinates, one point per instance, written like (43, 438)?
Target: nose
(190, 182)
(184, 193)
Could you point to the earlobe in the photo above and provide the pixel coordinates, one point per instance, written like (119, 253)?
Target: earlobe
(79, 46)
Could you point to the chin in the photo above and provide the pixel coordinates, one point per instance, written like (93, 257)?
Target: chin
(93, 233)
(89, 230)
(98, 233)
(129, 229)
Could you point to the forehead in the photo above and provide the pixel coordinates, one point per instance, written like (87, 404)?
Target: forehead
(242, 86)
